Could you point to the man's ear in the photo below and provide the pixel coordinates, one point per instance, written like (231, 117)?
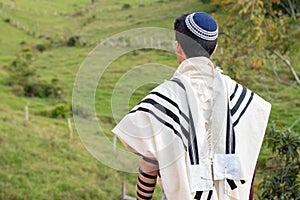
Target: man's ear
(215, 50)
(179, 53)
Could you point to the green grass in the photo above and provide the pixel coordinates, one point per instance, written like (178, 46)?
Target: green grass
(10, 45)
(42, 162)
(38, 158)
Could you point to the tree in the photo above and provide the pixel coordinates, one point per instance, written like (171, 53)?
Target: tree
(283, 182)
(24, 79)
(257, 31)
(255, 35)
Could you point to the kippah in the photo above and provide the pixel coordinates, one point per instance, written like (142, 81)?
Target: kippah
(202, 25)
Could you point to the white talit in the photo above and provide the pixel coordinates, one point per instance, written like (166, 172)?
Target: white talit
(203, 128)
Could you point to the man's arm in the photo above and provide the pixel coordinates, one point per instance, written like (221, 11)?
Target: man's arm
(147, 176)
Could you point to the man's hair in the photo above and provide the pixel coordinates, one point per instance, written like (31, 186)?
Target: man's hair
(192, 45)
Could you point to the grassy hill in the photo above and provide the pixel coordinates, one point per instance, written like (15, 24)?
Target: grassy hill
(39, 158)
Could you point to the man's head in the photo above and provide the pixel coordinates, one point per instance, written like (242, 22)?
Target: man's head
(196, 35)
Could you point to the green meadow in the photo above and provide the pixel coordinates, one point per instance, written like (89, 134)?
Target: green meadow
(41, 158)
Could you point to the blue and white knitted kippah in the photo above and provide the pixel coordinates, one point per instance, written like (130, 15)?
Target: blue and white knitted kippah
(202, 25)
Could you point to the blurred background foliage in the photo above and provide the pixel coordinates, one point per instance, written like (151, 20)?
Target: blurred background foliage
(256, 32)
(265, 34)
(43, 43)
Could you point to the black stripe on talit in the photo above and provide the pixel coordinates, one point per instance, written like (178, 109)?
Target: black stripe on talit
(210, 195)
(227, 149)
(143, 197)
(194, 143)
(168, 112)
(191, 153)
(162, 109)
(171, 102)
(233, 142)
(178, 82)
(162, 121)
(192, 140)
(230, 135)
(145, 191)
(244, 110)
(198, 195)
(146, 184)
(193, 146)
(231, 184)
(239, 102)
(234, 92)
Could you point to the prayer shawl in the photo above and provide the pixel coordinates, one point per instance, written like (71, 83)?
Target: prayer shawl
(204, 129)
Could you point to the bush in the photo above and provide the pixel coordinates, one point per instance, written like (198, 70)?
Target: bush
(7, 20)
(20, 71)
(205, 1)
(61, 110)
(286, 6)
(42, 89)
(73, 41)
(40, 47)
(126, 6)
(283, 182)
(24, 79)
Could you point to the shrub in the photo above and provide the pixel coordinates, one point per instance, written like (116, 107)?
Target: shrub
(23, 42)
(205, 1)
(61, 110)
(73, 41)
(126, 6)
(283, 182)
(40, 47)
(42, 89)
(20, 71)
(24, 79)
(7, 20)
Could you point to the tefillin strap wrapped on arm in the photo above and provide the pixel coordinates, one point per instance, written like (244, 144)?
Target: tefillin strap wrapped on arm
(148, 173)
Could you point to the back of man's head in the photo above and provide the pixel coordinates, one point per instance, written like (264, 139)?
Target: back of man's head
(197, 34)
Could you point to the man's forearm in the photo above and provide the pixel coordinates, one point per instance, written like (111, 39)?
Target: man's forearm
(147, 176)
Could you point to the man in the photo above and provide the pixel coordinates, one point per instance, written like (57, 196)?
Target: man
(201, 132)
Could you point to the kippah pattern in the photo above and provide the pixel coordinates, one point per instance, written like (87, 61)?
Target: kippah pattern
(202, 25)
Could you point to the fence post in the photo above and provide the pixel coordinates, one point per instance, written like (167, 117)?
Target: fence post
(151, 42)
(137, 41)
(114, 143)
(26, 113)
(159, 44)
(124, 195)
(123, 190)
(70, 127)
